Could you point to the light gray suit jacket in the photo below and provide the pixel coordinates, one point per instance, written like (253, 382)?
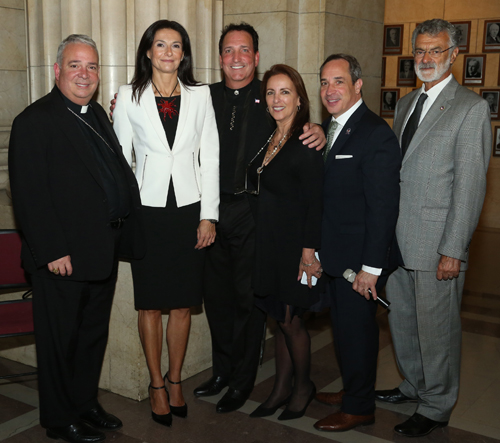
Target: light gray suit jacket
(443, 177)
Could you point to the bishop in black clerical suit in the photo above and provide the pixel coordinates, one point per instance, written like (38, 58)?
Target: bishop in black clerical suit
(77, 203)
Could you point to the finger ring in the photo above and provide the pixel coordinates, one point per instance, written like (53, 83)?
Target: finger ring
(55, 271)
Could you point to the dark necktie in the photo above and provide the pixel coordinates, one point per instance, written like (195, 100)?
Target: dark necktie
(412, 124)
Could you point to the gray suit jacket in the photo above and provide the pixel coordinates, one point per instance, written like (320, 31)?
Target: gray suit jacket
(443, 177)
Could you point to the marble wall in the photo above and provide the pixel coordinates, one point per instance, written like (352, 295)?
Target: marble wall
(302, 33)
(13, 89)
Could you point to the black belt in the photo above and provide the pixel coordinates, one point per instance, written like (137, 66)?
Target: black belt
(117, 224)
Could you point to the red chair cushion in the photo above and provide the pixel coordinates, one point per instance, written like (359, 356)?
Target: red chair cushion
(11, 271)
(16, 317)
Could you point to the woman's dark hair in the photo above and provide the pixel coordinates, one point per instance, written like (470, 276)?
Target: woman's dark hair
(143, 68)
(302, 116)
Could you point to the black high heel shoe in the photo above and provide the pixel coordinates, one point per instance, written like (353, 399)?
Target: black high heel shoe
(290, 415)
(179, 411)
(165, 419)
(266, 412)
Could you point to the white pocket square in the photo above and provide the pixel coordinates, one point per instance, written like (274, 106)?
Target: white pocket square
(340, 157)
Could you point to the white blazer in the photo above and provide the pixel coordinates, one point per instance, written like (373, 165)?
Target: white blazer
(193, 160)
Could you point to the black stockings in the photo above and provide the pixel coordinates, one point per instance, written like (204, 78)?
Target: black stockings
(293, 364)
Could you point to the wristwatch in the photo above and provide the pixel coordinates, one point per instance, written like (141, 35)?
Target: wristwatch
(211, 220)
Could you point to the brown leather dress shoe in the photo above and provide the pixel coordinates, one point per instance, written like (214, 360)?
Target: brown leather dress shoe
(330, 398)
(340, 421)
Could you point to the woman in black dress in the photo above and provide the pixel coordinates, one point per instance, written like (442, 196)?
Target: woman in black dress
(288, 178)
(166, 117)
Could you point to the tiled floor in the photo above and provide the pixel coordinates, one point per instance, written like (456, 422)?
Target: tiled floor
(476, 417)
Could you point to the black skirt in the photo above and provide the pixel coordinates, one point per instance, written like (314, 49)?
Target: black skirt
(170, 275)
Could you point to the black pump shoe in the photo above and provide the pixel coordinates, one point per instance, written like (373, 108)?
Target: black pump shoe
(290, 415)
(266, 412)
(179, 411)
(165, 419)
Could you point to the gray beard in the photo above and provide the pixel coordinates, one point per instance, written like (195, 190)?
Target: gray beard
(438, 71)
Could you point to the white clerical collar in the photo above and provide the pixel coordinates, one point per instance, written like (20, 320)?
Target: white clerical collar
(84, 109)
(342, 119)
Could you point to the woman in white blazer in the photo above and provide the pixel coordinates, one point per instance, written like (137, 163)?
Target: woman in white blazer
(166, 118)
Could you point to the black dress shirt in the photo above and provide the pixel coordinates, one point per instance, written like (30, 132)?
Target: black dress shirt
(234, 128)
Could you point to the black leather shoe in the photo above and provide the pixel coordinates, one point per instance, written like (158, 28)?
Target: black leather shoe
(76, 433)
(418, 426)
(98, 418)
(233, 399)
(394, 396)
(211, 387)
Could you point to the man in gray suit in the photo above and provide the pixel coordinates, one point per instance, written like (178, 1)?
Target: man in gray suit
(445, 136)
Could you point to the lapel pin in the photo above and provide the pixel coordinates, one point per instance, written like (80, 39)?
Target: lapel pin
(257, 100)
(348, 131)
(442, 108)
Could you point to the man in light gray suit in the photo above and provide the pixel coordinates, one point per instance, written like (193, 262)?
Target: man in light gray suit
(445, 136)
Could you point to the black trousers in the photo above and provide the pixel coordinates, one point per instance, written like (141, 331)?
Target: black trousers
(356, 338)
(71, 331)
(236, 325)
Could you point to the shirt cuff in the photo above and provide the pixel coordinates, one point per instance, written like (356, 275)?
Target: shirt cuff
(369, 269)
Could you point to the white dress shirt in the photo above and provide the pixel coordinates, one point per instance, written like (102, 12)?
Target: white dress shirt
(432, 95)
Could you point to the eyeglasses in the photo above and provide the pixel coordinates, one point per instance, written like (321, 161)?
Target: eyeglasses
(433, 53)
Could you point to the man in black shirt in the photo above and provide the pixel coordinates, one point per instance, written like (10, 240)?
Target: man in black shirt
(236, 325)
(77, 203)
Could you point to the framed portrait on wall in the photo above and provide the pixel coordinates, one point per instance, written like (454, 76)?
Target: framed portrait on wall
(393, 39)
(474, 69)
(383, 72)
(491, 41)
(406, 72)
(492, 97)
(496, 142)
(463, 31)
(388, 101)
